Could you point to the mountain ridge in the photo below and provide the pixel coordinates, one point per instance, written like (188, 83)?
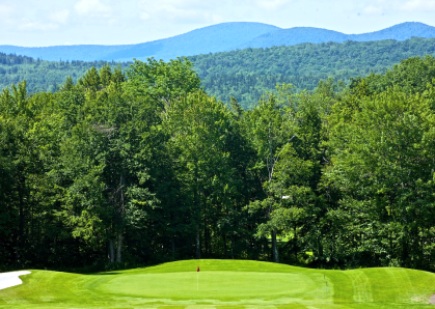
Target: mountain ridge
(217, 38)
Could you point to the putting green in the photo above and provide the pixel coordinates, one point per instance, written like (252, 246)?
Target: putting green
(224, 284)
(216, 285)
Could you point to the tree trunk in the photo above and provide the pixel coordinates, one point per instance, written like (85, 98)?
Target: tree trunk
(225, 246)
(207, 241)
(173, 249)
(22, 219)
(119, 248)
(275, 255)
(197, 210)
(22, 237)
(120, 237)
(198, 244)
(111, 252)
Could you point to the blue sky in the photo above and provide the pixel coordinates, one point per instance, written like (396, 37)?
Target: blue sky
(67, 22)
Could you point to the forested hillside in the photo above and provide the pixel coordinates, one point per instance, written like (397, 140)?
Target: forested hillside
(143, 166)
(41, 75)
(245, 74)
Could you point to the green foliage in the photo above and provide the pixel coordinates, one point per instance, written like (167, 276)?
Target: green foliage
(199, 148)
(381, 162)
(44, 76)
(248, 73)
(146, 167)
(243, 74)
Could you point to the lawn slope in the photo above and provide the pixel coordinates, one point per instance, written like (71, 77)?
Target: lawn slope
(224, 284)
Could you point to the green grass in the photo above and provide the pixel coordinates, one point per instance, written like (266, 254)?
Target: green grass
(224, 284)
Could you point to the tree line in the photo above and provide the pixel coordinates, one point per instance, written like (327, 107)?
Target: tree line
(42, 75)
(243, 74)
(126, 168)
(248, 73)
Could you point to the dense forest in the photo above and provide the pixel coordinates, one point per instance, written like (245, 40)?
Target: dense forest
(141, 166)
(44, 76)
(244, 74)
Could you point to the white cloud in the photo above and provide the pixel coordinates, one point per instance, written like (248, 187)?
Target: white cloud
(92, 7)
(373, 10)
(419, 5)
(37, 26)
(272, 4)
(49, 22)
(176, 11)
(60, 17)
(5, 9)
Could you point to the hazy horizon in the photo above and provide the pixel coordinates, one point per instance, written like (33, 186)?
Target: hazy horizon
(32, 23)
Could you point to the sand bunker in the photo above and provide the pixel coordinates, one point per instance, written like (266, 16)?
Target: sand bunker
(12, 278)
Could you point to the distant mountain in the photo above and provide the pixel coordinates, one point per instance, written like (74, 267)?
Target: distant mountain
(294, 36)
(217, 38)
(398, 32)
(62, 53)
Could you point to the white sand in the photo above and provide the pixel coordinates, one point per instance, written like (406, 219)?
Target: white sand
(11, 278)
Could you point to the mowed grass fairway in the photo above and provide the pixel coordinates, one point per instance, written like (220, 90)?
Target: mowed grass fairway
(224, 284)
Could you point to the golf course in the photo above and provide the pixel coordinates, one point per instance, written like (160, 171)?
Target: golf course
(224, 284)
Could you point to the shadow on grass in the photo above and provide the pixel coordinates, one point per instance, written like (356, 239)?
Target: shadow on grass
(108, 273)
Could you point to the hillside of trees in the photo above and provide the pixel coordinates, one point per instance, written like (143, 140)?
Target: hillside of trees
(245, 74)
(41, 75)
(142, 166)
